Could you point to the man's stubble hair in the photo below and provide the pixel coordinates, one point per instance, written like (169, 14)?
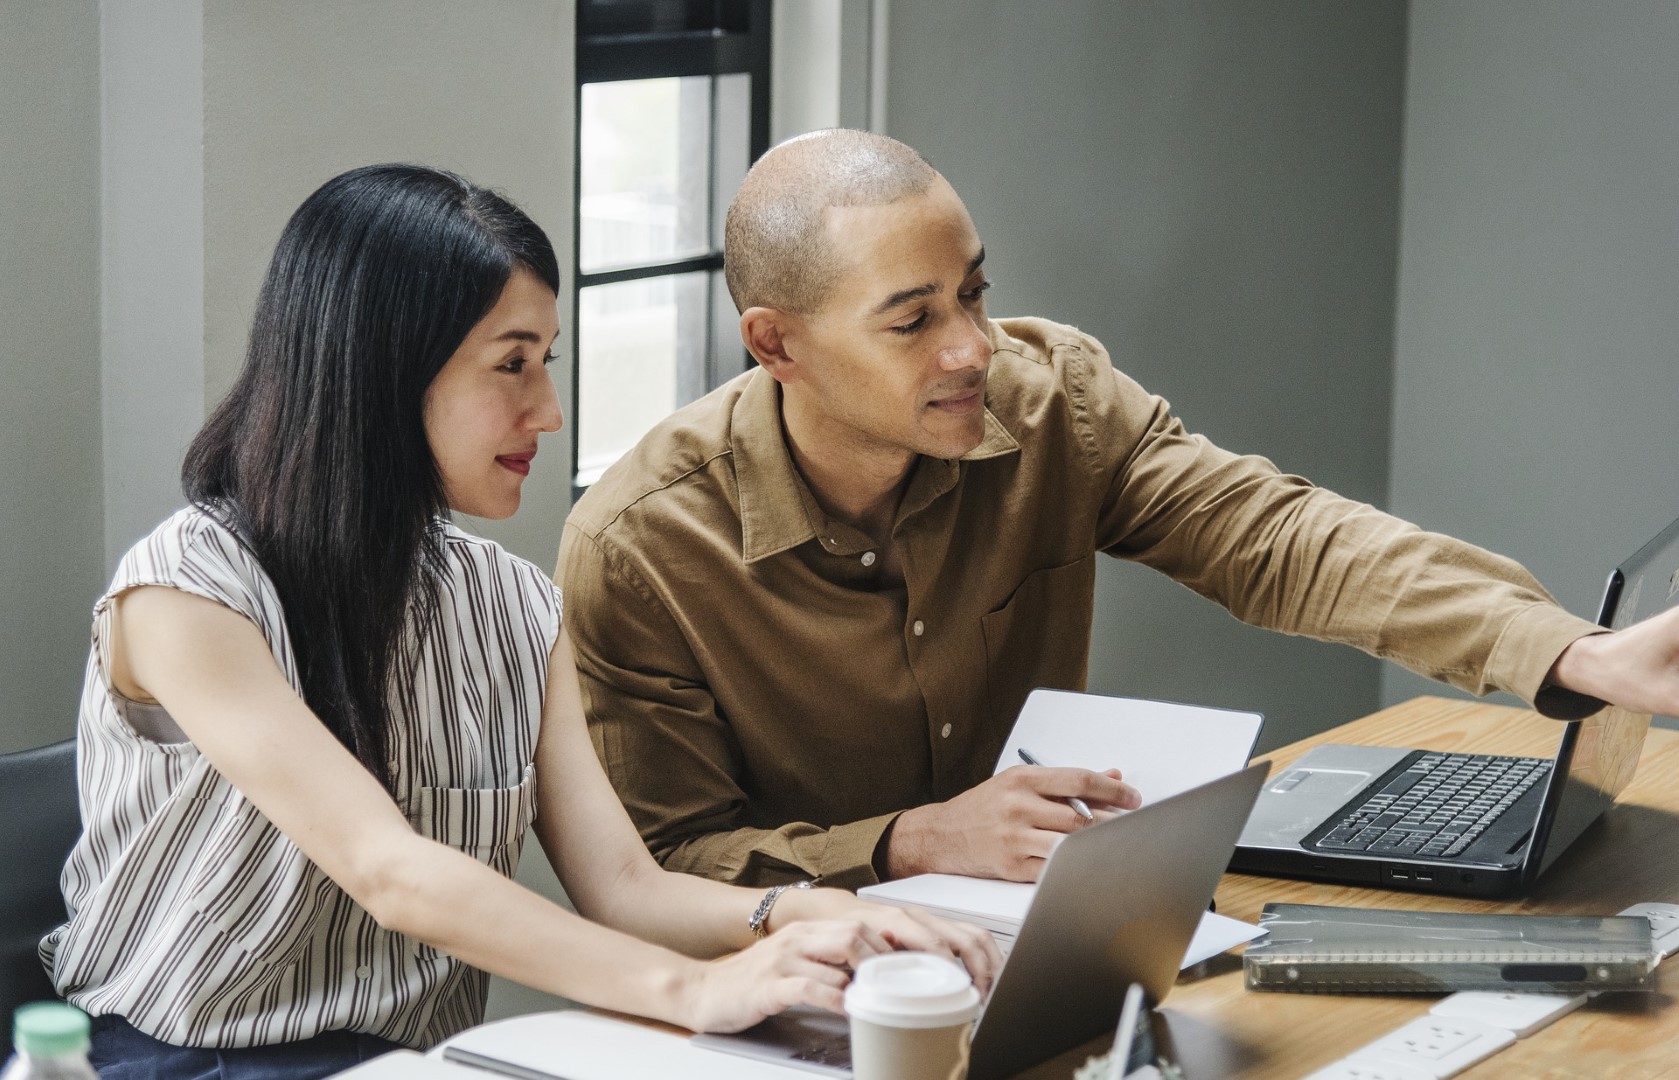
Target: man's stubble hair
(776, 250)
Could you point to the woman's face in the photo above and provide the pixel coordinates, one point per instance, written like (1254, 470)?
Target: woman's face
(490, 402)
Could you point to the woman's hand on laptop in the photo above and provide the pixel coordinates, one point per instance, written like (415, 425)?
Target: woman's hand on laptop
(900, 928)
(1005, 827)
(807, 963)
(808, 957)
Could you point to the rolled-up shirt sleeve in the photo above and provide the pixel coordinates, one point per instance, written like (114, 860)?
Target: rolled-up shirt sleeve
(1281, 553)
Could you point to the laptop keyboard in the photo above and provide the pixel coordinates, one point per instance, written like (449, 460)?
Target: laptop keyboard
(834, 1050)
(1437, 807)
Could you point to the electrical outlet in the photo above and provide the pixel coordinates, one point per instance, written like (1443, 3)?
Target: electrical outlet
(1664, 926)
(1351, 1069)
(1520, 1013)
(1444, 1046)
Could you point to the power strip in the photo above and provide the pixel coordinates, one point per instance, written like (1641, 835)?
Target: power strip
(1664, 926)
(1466, 1028)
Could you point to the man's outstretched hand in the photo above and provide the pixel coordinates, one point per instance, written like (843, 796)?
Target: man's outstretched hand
(1636, 667)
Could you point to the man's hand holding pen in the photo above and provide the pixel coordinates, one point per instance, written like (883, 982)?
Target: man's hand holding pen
(1073, 801)
(1005, 827)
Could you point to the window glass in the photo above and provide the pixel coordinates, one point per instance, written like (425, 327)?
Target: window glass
(644, 183)
(640, 353)
(672, 105)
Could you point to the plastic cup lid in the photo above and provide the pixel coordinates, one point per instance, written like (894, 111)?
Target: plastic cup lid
(911, 990)
(48, 1028)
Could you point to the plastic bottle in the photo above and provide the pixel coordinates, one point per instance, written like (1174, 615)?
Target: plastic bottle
(51, 1039)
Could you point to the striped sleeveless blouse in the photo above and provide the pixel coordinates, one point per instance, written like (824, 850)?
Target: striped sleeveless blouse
(194, 918)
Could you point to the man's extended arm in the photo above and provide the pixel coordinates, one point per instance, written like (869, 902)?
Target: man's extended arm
(1281, 553)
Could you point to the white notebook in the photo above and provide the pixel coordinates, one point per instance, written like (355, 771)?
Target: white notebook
(408, 1065)
(1162, 747)
(576, 1045)
(1000, 907)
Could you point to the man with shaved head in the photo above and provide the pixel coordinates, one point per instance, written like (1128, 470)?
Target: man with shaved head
(807, 608)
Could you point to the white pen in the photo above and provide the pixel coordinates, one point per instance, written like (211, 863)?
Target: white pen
(1073, 801)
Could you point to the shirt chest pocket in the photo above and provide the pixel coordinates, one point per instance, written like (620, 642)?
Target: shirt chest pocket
(1039, 637)
(487, 823)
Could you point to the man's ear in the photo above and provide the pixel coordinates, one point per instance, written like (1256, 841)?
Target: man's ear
(765, 331)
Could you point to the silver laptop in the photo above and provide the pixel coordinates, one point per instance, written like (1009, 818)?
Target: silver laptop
(1116, 905)
(1466, 824)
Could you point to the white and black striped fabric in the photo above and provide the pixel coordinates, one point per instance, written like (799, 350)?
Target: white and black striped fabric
(195, 918)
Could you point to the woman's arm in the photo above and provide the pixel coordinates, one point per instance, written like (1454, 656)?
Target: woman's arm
(212, 670)
(608, 873)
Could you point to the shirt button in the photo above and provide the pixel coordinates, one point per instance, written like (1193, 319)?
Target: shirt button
(919, 628)
(868, 558)
(944, 733)
(364, 972)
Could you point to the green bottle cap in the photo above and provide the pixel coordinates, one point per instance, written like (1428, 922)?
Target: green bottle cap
(49, 1029)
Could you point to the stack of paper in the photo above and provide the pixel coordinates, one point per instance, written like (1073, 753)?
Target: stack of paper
(1000, 907)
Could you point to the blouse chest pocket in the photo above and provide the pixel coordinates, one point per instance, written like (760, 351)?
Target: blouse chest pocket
(487, 823)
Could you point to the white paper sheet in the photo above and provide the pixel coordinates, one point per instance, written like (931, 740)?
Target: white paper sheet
(407, 1065)
(576, 1045)
(1000, 906)
(1161, 747)
(1217, 933)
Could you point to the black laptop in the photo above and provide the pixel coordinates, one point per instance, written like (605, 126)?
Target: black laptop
(1468, 824)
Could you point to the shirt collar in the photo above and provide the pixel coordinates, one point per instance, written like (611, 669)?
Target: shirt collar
(778, 511)
(773, 495)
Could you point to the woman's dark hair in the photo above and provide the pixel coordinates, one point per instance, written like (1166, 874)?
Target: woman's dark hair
(318, 457)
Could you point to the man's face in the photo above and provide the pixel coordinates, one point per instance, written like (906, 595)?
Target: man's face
(896, 357)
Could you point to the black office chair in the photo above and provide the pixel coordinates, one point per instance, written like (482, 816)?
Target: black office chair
(39, 823)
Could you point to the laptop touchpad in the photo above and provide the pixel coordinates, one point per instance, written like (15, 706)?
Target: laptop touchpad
(1315, 784)
(1303, 796)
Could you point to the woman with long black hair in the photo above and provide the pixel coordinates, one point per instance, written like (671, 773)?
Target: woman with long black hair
(318, 717)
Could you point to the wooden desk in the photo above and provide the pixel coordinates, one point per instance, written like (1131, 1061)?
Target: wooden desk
(1629, 855)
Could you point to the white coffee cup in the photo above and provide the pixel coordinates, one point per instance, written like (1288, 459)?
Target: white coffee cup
(911, 1016)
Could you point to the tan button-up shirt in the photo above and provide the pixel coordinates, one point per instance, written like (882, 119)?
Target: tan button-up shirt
(766, 703)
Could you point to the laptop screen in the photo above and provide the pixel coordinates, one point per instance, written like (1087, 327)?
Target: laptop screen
(1599, 755)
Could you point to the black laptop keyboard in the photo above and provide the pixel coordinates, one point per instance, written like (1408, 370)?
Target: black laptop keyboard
(1437, 807)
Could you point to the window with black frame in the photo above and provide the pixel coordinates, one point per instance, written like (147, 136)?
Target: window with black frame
(672, 106)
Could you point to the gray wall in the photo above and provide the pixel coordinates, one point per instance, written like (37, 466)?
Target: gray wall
(295, 93)
(156, 147)
(152, 227)
(1536, 379)
(1212, 190)
(51, 514)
